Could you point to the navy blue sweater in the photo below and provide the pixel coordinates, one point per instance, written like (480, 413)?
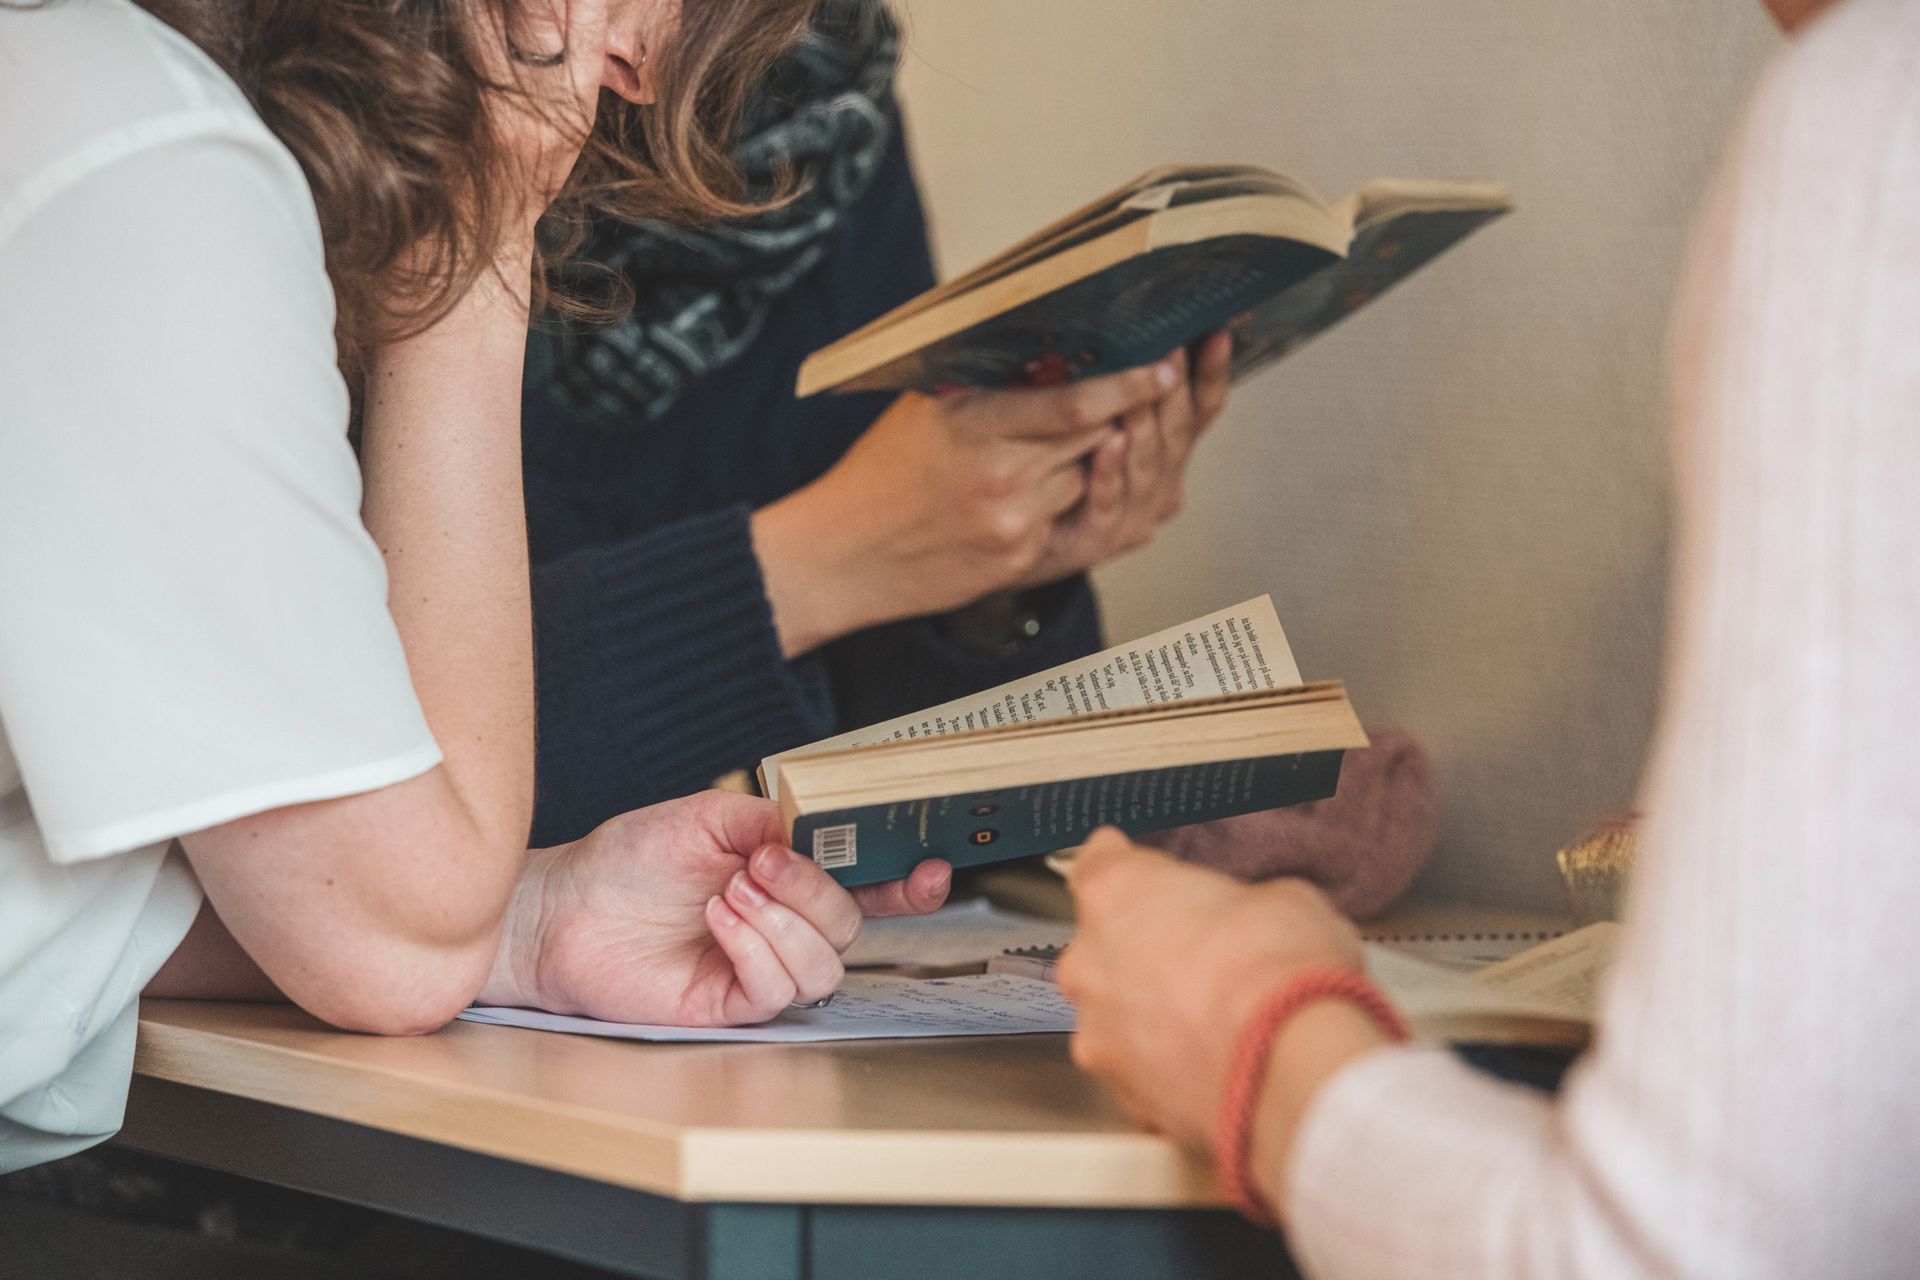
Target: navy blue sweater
(659, 668)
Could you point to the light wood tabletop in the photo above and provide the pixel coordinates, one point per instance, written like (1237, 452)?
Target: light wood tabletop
(989, 1121)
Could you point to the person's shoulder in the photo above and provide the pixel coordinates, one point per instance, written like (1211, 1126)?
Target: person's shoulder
(1822, 181)
(87, 83)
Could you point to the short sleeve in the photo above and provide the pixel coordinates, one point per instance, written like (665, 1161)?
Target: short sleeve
(193, 620)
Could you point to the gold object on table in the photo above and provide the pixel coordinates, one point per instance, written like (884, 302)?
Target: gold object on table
(1597, 866)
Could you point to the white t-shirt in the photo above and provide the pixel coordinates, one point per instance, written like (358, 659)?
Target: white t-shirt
(193, 621)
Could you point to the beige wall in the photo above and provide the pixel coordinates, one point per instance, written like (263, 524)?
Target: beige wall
(1457, 500)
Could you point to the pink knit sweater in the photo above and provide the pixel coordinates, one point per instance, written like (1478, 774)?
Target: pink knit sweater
(1752, 1106)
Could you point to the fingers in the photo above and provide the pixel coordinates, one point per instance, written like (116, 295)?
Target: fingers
(1094, 528)
(1061, 490)
(1179, 416)
(1112, 872)
(1090, 534)
(812, 966)
(762, 986)
(1107, 481)
(1077, 406)
(801, 886)
(924, 890)
(739, 823)
(1104, 849)
(1146, 456)
(1212, 371)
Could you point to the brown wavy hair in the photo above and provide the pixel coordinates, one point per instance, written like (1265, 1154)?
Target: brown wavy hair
(386, 106)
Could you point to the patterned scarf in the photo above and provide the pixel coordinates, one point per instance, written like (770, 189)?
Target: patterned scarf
(702, 294)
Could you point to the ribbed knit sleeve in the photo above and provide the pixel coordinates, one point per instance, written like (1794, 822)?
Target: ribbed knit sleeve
(659, 669)
(1750, 1106)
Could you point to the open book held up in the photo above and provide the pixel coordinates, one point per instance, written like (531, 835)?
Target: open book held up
(1202, 721)
(1166, 259)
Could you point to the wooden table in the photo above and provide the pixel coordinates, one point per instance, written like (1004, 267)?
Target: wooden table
(930, 1159)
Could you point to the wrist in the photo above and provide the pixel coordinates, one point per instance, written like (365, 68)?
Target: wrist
(1293, 1033)
(1313, 1046)
(513, 982)
(817, 578)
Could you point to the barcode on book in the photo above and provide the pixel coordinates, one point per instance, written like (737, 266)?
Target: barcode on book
(834, 848)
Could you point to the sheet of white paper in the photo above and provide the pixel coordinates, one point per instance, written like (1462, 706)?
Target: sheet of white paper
(957, 934)
(868, 1007)
(1233, 651)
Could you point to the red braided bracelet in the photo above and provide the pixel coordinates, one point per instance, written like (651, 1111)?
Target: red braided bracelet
(1233, 1136)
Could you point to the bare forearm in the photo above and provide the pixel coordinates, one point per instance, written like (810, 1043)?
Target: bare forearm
(812, 577)
(444, 502)
(382, 911)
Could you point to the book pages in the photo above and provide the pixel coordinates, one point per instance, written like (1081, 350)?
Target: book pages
(1563, 975)
(1557, 981)
(1237, 650)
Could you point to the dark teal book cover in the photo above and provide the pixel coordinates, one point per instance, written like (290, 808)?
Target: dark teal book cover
(883, 842)
(1273, 294)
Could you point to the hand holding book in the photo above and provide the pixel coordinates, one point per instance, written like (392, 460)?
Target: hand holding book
(689, 912)
(949, 499)
(1202, 721)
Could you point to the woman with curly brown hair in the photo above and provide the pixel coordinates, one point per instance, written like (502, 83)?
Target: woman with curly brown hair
(268, 709)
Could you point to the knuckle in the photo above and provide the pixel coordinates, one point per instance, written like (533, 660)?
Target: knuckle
(1000, 480)
(1007, 529)
(1012, 539)
(710, 805)
(842, 928)
(821, 985)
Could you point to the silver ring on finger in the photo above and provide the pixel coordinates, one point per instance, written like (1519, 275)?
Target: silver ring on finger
(527, 57)
(821, 1003)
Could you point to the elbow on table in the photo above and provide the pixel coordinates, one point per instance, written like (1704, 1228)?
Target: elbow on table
(407, 995)
(415, 1010)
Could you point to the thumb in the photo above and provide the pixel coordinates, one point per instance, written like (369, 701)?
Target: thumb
(741, 823)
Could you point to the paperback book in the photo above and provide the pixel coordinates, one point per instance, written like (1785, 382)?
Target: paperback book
(1160, 263)
(1205, 720)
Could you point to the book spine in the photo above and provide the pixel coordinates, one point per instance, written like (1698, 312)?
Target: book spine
(883, 842)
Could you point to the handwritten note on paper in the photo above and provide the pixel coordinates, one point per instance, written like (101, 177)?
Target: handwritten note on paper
(868, 1007)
